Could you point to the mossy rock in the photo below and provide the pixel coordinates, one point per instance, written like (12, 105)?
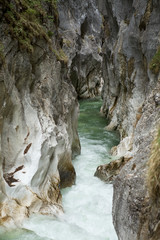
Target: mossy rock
(60, 55)
(155, 62)
(153, 173)
(25, 20)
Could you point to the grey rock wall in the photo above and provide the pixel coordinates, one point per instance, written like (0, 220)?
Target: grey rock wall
(39, 108)
(80, 27)
(38, 130)
(130, 40)
(133, 215)
(128, 49)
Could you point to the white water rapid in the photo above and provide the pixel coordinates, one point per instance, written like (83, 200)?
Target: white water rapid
(88, 204)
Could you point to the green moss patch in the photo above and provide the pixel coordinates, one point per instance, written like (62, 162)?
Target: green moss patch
(2, 58)
(25, 19)
(155, 62)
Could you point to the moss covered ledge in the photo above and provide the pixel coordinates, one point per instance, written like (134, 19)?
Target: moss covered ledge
(28, 19)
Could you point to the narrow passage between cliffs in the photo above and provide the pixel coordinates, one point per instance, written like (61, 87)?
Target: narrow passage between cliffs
(88, 204)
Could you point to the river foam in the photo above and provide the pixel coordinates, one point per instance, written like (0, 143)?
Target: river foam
(88, 204)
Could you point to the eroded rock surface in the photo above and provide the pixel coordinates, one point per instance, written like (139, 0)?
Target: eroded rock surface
(134, 217)
(80, 27)
(38, 129)
(108, 172)
(130, 93)
(128, 49)
(40, 78)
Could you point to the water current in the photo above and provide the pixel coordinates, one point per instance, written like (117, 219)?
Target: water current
(88, 204)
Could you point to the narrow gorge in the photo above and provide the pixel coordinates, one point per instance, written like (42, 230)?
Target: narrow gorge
(53, 56)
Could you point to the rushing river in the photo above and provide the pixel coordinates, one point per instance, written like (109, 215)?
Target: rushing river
(88, 204)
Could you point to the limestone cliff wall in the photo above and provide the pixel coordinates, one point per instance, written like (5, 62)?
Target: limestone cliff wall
(80, 27)
(49, 54)
(131, 38)
(43, 66)
(38, 117)
(131, 97)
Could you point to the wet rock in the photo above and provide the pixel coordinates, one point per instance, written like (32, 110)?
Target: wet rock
(66, 171)
(108, 172)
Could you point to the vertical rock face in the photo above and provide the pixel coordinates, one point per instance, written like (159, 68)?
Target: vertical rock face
(38, 129)
(133, 214)
(39, 108)
(131, 38)
(130, 93)
(80, 27)
(41, 66)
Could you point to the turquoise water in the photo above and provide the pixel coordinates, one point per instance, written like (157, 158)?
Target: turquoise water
(88, 204)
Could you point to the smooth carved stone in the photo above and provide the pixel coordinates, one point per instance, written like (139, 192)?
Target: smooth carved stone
(38, 129)
(66, 171)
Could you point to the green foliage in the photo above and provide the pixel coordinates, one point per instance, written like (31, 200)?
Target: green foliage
(53, 2)
(50, 34)
(155, 62)
(25, 20)
(153, 174)
(2, 58)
